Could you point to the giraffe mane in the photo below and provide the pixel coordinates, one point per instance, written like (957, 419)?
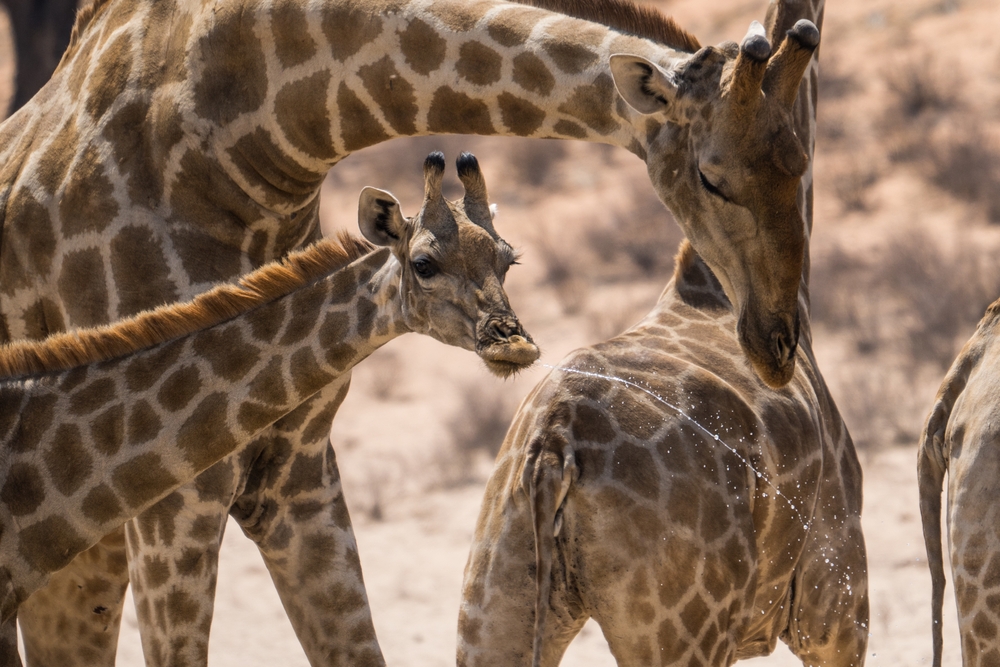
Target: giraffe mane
(625, 16)
(67, 350)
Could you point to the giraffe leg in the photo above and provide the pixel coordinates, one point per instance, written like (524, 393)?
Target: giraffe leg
(75, 619)
(173, 553)
(293, 508)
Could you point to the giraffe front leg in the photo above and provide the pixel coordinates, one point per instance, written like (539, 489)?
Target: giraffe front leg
(87, 597)
(294, 510)
(173, 556)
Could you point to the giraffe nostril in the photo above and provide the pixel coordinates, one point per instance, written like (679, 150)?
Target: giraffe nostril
(783, 346)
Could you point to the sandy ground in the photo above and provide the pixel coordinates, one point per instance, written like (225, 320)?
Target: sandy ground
(414, 510)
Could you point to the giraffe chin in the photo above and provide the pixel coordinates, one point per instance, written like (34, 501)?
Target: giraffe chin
(506, 357)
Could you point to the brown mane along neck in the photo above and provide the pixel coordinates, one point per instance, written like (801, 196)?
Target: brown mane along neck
(67, 350)
(624, 16)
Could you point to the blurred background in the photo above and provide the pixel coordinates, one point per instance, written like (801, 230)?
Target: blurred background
(904, 262)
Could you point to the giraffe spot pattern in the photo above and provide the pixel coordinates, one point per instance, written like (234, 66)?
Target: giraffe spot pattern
(181, 608)
(591, 425)
(589, 104)
(88, 203)
(35, 420)
(110, 76)
(300, 109)
(460, 17)
(24, 489)
(142, 479)
(48, 545)
(91, 397)
(358, 127)
(983, 626)
(54, 162)
(252, 416)
(394, 95)
(41, 319)
(228, 353)
(512, 27)
(146, 369)
(204, 529)
(192, 562)
(478, 64)
(521, 117)
(29, 242)
(234, 78)
(306, 373)
(304, 511)
(217, 484)
(266, 322)
(269, 170)
(289, 28)
(82, 288)
(140, 271)
(204, 437)
(423, 49)
(365, 311)
(669, 639)
(347, 27)
(179, 388)
(269, 385)
(157, 524)
(634, 468)
(305, 306)
(206, 259)
(68, 462)
(101, 505)
(569, 56)
(340, 356)
(171, 46)
(455, 112)
(143, 423)
(134, 141)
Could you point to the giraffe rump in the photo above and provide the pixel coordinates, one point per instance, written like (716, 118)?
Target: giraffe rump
(66, 350)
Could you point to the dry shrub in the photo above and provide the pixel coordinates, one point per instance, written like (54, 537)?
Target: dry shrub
(835, 81)
(535, 161)
(966, 164)
(477, 430)
(852, 186)
(561, 272)
(918, 97)
(383, 376)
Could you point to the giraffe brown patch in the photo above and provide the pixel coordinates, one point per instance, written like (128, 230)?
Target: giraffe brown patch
(478, 63)
(35, 421)
(266, 322)
(991, 578)
(348, 26)
(300, 109)
(147, 368)
(269, 386)
(142, 479)
(110, 75)
(634, 467)
(140, 270)
(290, 30)
(252, 416)
(305, 305)
(133, 138)
(230, 355)
(234, 78)
(570, 129)
(179, 388)
(307, 374)
(717, 577)
(512, 27)
(204, 529)
(24, 489)
(206, 258)
(392, 93)
(640, 611)
(42, 319)
(319, 426)
(82, 288)
(182, 608)
(143, 423)
(521, 117)
(306, 475)
(358, 127)
(423, 49)
(336, 327)
(48, 545)
(157, 525)
(973, 556)
(90, 398)
(80, 67)
(340, 356)
(570, 56)
(101, 505)
(68, 462)
(637, 418)
(269, 170)
(204, 437)
(984, 627)
(171, 46)
(192, 562)
(684, 510)
(29, 242)
(454, 112)
(715, 518)
(740, 560)
(708, 642)
(694, 615)
(54, 162)
(591, 104)
(591, 425)
(668, 639)
(306, 510)
(365, 311)
(461, 17)
(216, 484)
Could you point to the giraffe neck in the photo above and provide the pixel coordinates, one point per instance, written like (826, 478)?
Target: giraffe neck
(90, 446)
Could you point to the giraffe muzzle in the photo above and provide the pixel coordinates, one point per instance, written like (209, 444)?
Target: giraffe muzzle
(770, 345)
(505, 347)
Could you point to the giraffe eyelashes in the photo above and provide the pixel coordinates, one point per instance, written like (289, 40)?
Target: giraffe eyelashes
(707, 184)
(425, 268)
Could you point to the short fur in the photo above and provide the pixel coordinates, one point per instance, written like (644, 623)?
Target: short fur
(64, 351)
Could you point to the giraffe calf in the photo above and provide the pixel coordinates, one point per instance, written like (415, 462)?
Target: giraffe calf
(98, 425)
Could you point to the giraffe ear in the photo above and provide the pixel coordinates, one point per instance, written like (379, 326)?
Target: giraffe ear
(647, 87)
(379, 217)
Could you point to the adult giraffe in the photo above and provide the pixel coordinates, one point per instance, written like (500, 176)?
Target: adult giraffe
(182, 142)
(654, 483)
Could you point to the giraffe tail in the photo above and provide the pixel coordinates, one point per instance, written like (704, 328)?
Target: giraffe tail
(547, 487)
(932, 464)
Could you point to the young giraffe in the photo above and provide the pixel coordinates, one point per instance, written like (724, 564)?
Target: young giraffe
(183, 142)
(653, 483)
(960, 439)
(100, 424)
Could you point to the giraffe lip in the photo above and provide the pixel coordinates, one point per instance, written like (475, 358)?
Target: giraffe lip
(510, 355)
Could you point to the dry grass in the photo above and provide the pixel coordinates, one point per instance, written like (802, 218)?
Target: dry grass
(477, 429)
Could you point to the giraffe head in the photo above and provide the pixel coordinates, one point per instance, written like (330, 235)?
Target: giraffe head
(452, 266)
(724, 120)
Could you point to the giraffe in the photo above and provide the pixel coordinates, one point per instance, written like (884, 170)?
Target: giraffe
(184, 142)
(959, 438)
(654, 483)
(100, 424)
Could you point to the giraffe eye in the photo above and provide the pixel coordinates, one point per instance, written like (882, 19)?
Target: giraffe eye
(424, 267)
(707, 184)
